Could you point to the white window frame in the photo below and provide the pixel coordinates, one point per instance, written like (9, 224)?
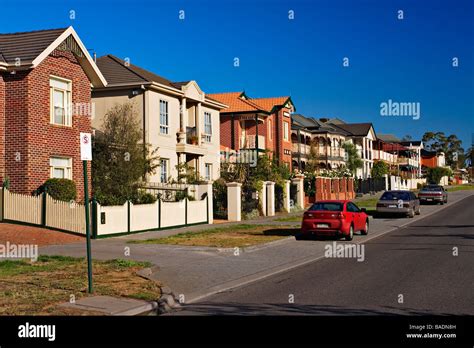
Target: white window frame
(286, 127)
(67, 168)
(208, 125)
(208, 171)
(165, 161)
(67, 100)
(164, 117)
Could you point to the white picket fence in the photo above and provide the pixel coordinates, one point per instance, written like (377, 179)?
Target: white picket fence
(47, 212)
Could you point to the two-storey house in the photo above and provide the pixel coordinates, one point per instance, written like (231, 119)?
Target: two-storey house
(45, 103)
(178, 118)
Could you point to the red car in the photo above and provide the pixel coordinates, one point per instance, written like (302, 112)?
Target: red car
(335, 218)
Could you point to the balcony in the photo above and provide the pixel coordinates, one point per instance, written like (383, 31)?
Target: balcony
(385, 156)
(189, 142)
(250, 142)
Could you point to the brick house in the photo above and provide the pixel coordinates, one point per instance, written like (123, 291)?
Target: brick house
(45, 102)
(245, 118)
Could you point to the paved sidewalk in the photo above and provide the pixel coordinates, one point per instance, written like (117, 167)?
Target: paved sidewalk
(196, 272)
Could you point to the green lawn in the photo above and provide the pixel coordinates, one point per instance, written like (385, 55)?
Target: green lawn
(460, 187)
(37, 288)
(227, 237)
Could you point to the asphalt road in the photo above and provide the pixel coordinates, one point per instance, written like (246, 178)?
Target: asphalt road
(411, 270)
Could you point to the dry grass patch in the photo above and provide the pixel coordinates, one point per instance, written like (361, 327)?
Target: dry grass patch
(37, 288)
(227, 237)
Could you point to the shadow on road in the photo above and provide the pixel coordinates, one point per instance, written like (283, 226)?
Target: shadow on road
(209, 308)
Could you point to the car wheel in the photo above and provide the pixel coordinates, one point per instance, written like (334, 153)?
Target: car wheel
(351, 234)
(411, 213)
(365, 231)
(418, 212)
(446, 200)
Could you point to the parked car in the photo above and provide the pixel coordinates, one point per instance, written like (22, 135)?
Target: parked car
(433, 193)
(398, 202)
(334, 218)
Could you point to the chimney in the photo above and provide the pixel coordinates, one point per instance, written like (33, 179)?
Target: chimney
(95, 57)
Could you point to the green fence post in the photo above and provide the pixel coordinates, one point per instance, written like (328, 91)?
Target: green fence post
(43, 207)
(185, 211)
(94, 218)
(159, 213)
(128, 216)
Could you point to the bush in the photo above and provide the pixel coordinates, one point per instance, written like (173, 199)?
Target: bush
(143, 197)
(60, 189)
(434, 175)
(181, 195)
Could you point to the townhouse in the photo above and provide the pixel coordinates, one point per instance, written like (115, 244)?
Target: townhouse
(178, 118)
(408, 154)
(256, 124)
(326, 140)
(45, 102)
(362, 136)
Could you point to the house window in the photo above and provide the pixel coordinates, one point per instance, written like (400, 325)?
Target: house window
(207, 127)
(60, 167)
(285, 131)
(60, 101)
(208, 171)
(270, 129)
(163, 117)
(164, 169)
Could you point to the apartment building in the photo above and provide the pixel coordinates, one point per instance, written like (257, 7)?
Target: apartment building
(178, 118)
(256, 124)
(45, 103)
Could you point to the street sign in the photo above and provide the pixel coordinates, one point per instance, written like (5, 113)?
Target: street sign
(86, 147)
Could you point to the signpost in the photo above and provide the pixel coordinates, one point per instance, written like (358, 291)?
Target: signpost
(86, 155)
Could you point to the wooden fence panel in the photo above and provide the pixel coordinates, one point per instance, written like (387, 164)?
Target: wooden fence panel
(22, 208)
(65, 216)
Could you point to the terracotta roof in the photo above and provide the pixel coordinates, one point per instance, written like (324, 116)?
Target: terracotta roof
(235, 101)
(268, 104)
(27, 45)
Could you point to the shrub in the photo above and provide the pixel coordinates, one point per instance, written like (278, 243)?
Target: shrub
(143, 197)
(180, 195)
(434, 175)
(60, 189)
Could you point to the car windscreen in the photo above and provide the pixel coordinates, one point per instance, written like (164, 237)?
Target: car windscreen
(390, 196)
(432, 188)
(326, 206)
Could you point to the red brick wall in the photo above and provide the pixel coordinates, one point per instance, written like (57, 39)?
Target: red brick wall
(29, 130)
(2, 129)
(225, 131)
(283, 144)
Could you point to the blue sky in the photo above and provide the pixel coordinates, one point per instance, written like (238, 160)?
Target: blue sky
(407, 60)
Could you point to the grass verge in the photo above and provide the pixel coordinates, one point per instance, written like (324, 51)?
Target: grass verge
(460, 188)
(242, 235)
(37, 288)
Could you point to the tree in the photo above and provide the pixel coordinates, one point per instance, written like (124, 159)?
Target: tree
(353, 160)
(450, 145)
(434, 175)
(312, 165)
(379, 169)
(121, 159)
(407, 137)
